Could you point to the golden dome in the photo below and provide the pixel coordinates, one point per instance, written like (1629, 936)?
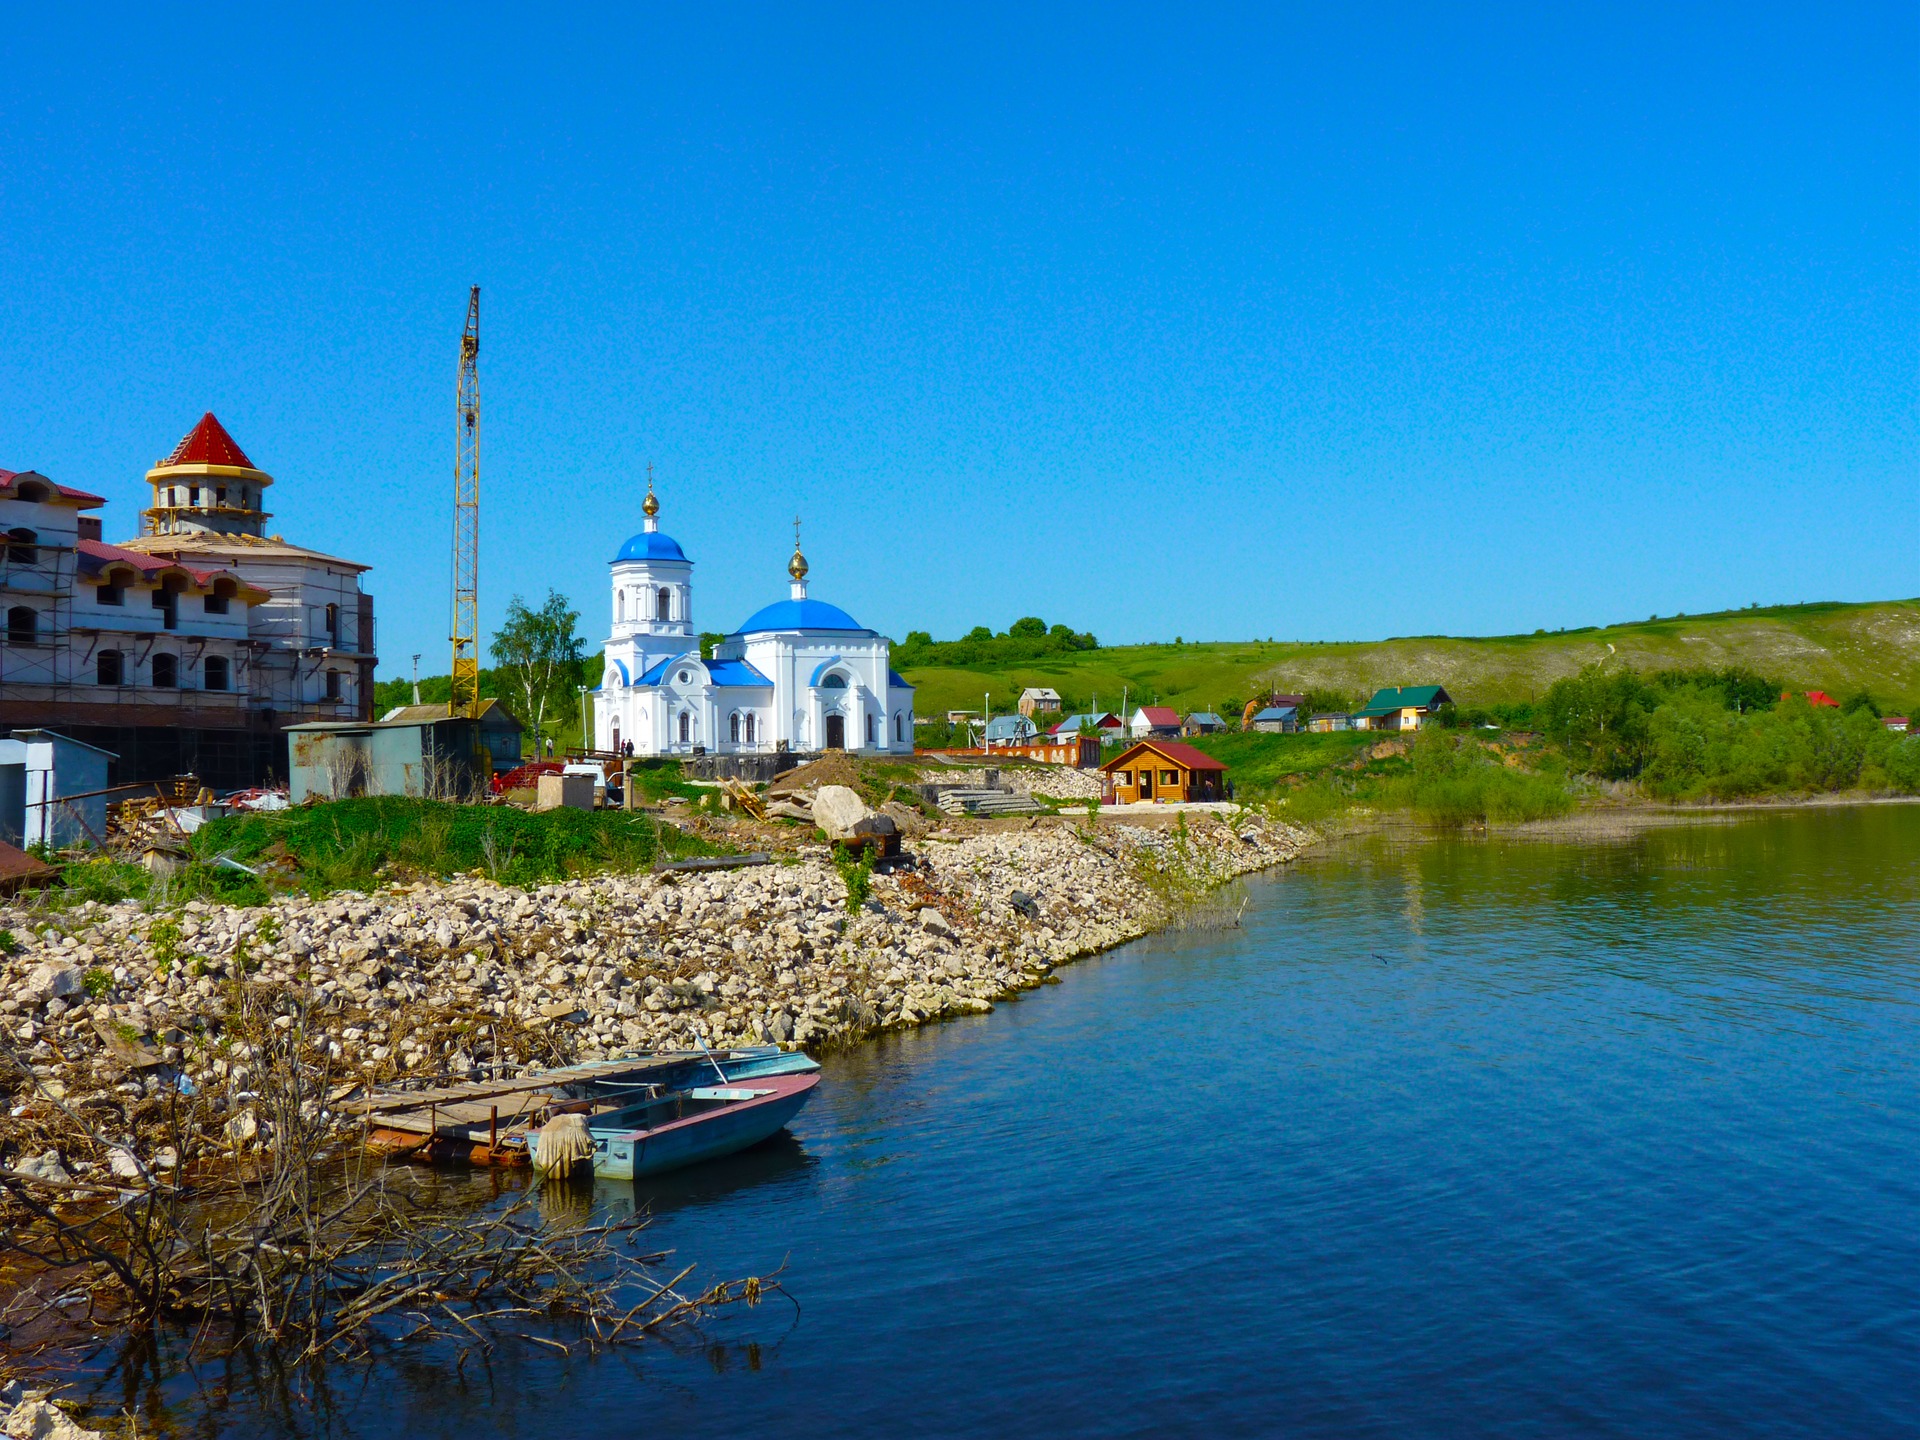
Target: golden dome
(797, 567)
(650, 506)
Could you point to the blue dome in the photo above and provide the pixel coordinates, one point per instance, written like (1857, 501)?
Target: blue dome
(800, 615)
(650, 545)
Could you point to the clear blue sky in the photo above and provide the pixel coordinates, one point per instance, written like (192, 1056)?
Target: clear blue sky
(1151, 320)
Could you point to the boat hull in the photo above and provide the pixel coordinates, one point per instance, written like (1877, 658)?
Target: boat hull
(632, 1154)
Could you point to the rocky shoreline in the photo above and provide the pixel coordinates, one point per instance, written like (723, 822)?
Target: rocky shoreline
(114, 1007)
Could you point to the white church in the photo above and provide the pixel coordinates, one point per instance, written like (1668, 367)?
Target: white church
(800, 674)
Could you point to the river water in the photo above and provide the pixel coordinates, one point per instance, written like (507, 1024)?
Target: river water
(1451, 1138)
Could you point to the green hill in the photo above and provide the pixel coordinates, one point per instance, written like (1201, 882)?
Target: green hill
(1836, 647)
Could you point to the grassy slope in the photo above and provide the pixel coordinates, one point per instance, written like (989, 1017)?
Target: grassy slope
(1835, 647)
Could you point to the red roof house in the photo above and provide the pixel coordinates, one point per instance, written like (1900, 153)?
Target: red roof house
(1165, 772)
(1155, 720)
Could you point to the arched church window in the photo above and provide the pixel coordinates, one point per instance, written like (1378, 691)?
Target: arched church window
(666, 604)
(749, 727)
(897, 735)
(735, 727)
(869, 729)
(834, 682)
(619, 605)
(686, 727)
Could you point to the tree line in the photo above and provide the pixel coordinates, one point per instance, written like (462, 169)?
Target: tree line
(1723, 735)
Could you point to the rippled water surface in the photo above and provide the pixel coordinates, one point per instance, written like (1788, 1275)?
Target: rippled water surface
(1452, 1138)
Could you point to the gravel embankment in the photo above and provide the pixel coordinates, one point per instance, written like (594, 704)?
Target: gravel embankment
(114, 1004)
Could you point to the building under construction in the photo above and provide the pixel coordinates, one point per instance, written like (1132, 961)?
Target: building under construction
(190, 648)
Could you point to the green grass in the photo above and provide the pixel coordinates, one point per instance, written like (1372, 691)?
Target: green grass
(1258, 763)
(1840, 648)
(355, 844)
(1445, 777)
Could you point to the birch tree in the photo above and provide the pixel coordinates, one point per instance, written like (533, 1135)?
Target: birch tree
(537, 659)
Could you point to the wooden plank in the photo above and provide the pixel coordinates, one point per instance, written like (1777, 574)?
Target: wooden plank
(477, 1090)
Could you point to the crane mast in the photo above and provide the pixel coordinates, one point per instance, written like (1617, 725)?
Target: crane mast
(465, 696)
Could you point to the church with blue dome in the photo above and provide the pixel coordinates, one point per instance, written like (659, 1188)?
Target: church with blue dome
(799, 674)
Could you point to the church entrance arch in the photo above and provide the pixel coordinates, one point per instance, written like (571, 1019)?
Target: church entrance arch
(836, 732)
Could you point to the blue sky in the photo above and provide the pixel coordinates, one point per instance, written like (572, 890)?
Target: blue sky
(1151, 320)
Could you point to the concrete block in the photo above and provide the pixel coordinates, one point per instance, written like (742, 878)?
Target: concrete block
(574, 792)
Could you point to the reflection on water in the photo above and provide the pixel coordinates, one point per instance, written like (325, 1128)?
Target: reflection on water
(1463, 1137)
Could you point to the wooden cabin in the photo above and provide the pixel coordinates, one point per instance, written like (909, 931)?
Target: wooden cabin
(1165, 772)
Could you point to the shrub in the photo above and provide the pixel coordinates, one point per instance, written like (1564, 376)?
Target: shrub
(1456, 782)
(858, 875)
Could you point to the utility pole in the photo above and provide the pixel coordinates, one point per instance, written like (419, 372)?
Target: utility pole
(464, 698)
(586, 733)
(416, 679)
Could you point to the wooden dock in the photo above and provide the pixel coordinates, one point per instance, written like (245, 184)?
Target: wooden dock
(470, 1120)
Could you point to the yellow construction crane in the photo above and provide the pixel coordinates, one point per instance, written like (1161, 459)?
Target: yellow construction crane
(465, 696)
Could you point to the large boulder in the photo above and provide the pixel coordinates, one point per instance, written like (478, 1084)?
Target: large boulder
(840, 813)
(53, 981)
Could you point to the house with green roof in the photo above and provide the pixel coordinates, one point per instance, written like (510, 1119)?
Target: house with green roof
(1404, 707)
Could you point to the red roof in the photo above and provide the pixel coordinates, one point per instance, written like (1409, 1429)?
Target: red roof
(96, 555)
(1820, 697)
(1178, 751)
(1161, 715)
(66, 492)
(208, 444)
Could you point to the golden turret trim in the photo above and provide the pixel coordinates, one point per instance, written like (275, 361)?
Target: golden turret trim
(225, 472)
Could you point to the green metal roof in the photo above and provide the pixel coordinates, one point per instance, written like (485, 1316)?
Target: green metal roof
(1406, 697)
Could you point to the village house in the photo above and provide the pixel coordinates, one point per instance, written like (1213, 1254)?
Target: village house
(1107, 726)
(1272, 701)
(1010, 730)
(1203, 722)
(1895, 723)
(1161, 720)
(1329, 720)
(1036, 700)
(1165, 772)
(1276, 720)
(1404, 708)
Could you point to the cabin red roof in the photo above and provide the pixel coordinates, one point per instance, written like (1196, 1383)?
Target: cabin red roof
(8, 479)
(1820, 697)
(208, 444)
(1178, 751)
(1161, 715)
